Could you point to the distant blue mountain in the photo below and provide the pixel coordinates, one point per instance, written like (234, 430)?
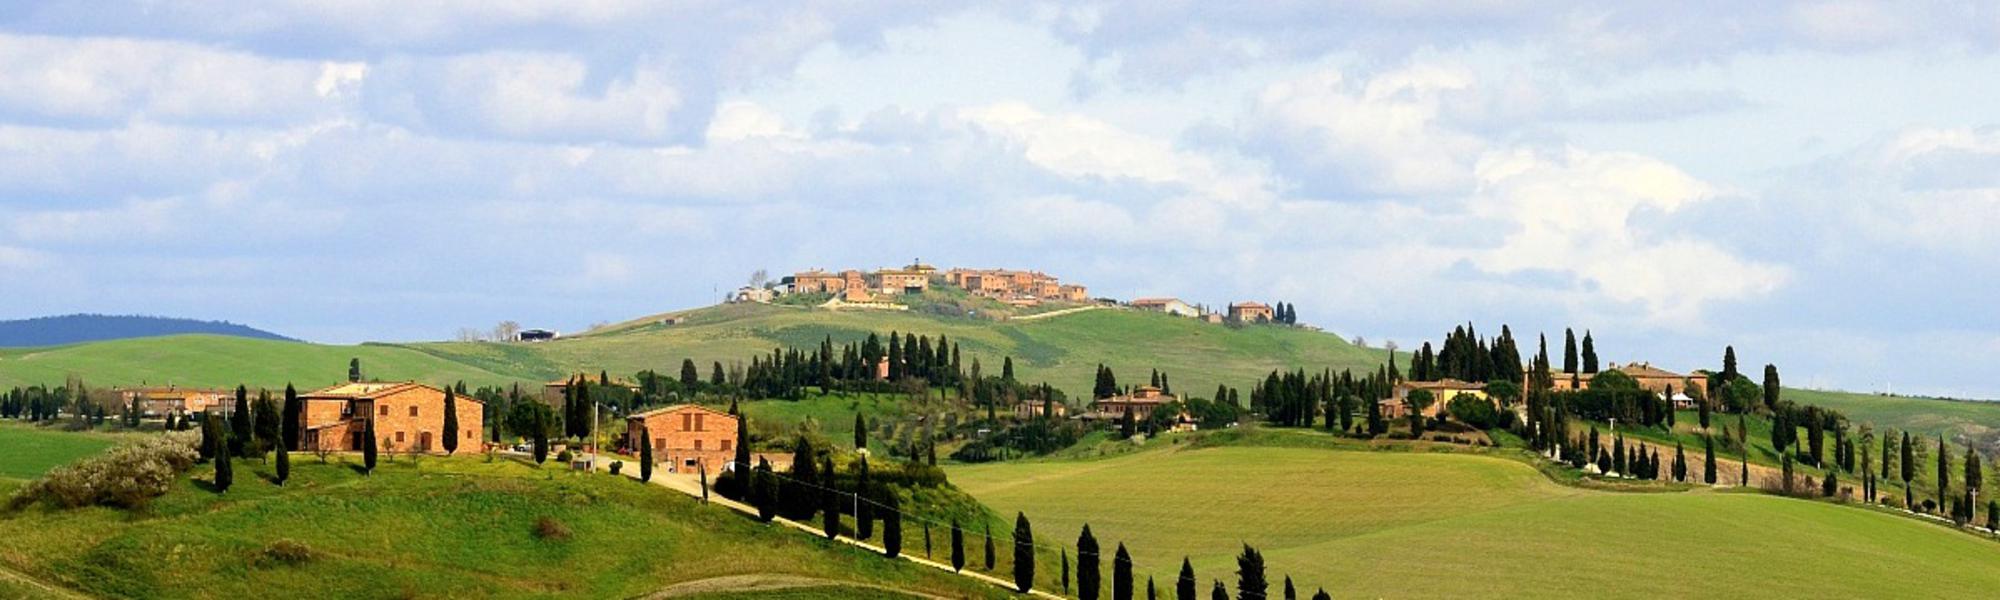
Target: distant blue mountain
(72, 329)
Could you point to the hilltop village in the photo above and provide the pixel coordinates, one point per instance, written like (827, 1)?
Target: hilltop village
(1016, 289)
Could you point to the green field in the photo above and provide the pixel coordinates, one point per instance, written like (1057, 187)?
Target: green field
(1394, 524)
(459, 528)
(218, 361)
(30, 451)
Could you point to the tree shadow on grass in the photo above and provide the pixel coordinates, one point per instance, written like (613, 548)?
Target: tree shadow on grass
(358, 469)
(206, 486)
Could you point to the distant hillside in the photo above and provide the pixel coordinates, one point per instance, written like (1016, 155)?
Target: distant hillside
(75, 329)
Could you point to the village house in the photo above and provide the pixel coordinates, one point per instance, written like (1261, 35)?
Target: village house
(409, 418)
(1032, 409)
(159, 401)
(552, 391)
(1250, 312)
(1172, 306)
(1012, 286)
(752, 294)
(1650, 378)
(1142, 402)
(814, 282)
(1442, 392)
(685, 437)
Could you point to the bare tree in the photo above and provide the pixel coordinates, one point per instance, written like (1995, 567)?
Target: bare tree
(506, 331)
(1389, 345)
(759, 277)
(1361, 342)
(468, 334)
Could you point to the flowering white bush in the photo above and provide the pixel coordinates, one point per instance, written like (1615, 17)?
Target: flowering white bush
(125, 476)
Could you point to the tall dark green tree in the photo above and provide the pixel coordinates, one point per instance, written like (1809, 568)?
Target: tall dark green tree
(209, 429)
(284, 465)
(1589, 353)
(1121, 574)
(1909, 471)
(1218, 592)
(354, 370)
(224, 471)
(1708, 459)
(1184, 587)
(830, 502)
(1064, 555)
(860, 432)
(451, 432)
(1680, 463)
(764, 491)
(1088, 582)
(1569, 351)
(690, 376)
(368, 446)
(645, 455)
(957, 539)
(1024, 554)
(990, 559)
(291, 417)
(892, 526)
(864, 513)
(1292, 593)
(1250, 581)
(239, 425)
(1771, 387)
(1943, 472)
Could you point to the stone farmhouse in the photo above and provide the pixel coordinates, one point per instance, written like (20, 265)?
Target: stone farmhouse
(409, 418)
(159, 401)
(1649, 377)
(685, 437)
(1172, 306)
(1142, 402)
(1251, 312)
(1022, 288)
(552, 391)
(1442, 392)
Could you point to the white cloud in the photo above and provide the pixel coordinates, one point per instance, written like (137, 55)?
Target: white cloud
(1378, 137)
(116, 80)
(535, 96)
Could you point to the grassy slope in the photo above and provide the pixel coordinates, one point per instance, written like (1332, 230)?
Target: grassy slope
(1063, 351)
(31, 451)
(1462, 525)
(218, 361)
(445, 528)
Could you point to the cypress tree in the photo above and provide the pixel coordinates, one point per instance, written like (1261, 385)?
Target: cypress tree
(1184, 587)
(239, 425)
(1589, 354)
(830, 503)
(1250, 582)
(1680, 463)
(1321, 595)
(763, 491)
(1087, 581)
(451, 432)
(368, 447)
(957, 541)
(690, 376)
(1292, 593)
(1771, 385)
(1830, 485)
(224, 474)
(1024, 554)
(208, 440)
(1218, 593)
(990, 563)
(1908, 464)
(892, 526)
(291, 424)
(1569, 350)
(1121, 574)
(284, 465)
(1065, 570)
(1708, 460)
(645, 455)
(1944, 471)
(1151, 592)
(864, 514)
(1992, 516)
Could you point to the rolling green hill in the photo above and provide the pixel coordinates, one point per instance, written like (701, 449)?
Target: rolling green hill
(1462, 525)
(439, 528)
(1062, 350)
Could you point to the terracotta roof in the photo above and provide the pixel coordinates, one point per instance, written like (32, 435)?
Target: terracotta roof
(1154, 301)
(1444, 384)
(1249, 305)
(677, 408)
(371, 391)
(1646, 370)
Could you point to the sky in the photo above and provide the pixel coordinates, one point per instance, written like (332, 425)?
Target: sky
(1815, 183)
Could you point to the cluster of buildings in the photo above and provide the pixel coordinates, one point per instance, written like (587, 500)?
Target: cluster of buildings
(1016, 288)
(1240, 312)
(1666, 384)
(1142, 402)
(160, 401)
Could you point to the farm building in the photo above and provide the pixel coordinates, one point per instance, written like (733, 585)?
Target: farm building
(1172, 306)
(1250, 312)
(1142, 402)
(685, 437)
(158, 401)
(1441, 394)
(409, 418)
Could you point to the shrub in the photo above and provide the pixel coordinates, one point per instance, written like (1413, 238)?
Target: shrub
(616, 465)
(565, 457)
(286, 552)
(549, 528)
(127, 476)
